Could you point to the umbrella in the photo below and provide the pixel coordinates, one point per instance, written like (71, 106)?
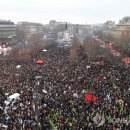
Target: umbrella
(18, 66)
(44, 50)
(44, 91)
(44, 105)
(75, 95)
(83, 91)
(88, 66)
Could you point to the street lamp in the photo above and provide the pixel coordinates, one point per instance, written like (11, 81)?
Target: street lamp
(38, 62)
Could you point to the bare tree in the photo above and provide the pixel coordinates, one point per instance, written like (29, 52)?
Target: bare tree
(20, 35)
(104, 36)
(74, 49)
(125, 39)
(108, 37)
(123, 42)
(36, 42)
(20, 55)
(99, 33)
(91, 48)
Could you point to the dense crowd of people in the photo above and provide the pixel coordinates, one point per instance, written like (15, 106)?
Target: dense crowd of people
(56, 100)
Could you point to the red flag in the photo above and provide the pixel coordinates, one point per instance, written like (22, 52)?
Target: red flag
(88, 97)
(94, 98)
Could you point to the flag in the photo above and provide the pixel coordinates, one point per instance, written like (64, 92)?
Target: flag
(94, 98)
(88, 97)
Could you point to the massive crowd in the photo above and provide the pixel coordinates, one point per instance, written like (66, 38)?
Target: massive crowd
(56, 101)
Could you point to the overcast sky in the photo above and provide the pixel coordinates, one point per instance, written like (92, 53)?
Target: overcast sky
(74, 11)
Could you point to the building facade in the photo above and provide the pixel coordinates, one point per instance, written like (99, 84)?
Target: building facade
(26, 29)
(7, 31)
(122, 27)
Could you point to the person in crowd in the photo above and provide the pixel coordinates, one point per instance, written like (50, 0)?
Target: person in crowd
(57, 100)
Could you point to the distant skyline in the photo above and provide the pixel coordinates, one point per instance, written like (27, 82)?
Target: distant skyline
(73, 11)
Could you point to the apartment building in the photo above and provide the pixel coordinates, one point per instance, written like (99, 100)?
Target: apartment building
(7, 31)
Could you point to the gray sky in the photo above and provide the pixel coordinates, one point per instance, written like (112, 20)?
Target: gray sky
(74, 11)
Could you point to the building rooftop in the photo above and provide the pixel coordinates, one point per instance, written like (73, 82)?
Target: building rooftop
(6, 22)
(29, 24)
(125, 21)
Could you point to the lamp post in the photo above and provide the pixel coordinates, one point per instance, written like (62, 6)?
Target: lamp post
(38, 62)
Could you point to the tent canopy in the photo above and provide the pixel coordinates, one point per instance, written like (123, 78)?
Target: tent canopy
(39, 61)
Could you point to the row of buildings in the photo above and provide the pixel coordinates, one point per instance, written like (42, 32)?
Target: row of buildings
(20, 32)
(7, 31)
(117, 30)
(67, 31)
(59, 31)
(12, 33)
